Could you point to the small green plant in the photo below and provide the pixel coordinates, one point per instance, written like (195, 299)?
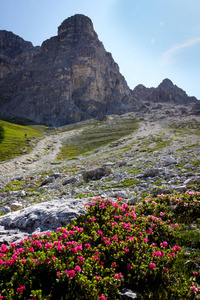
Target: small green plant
(2, 133)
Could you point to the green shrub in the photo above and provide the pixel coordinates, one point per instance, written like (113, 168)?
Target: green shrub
(113, 246)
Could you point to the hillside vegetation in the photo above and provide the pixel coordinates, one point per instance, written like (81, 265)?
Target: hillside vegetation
(18, 139)
(115, 245)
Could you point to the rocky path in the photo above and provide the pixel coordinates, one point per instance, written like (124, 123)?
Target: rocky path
(39, 159)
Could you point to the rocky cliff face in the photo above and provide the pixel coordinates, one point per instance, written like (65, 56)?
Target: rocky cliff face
(165, 92)
(72, 79)
(14, 52)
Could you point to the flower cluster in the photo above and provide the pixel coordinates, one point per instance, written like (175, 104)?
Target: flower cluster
(113, 244)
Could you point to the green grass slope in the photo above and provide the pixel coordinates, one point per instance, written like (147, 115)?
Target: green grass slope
(99, 134)
(18, 139)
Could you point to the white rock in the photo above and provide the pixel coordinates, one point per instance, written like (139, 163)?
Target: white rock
(188, 166)
(45, 216)
(170, 160)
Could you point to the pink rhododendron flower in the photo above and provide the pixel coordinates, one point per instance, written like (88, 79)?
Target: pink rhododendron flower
(79, 229)
(48, 246)
(21, 288)
(166, 270)
(114, 265)
(176, 248)
(114, 223)
(152, 266)
(64, 236)
(129, 267)
(4, 249)
(9, 262)
(60, 247)
(108, 242)
(71, 273)
(118, 276)
(102, 297)
(31, 250)
(80, 259)
(193, 287)
(195, 273)
(95, 258)
(146, 240)
(23, 260)
(115, 238)
(77, 268)
(161, 214)
(164, 244)
(133, 215)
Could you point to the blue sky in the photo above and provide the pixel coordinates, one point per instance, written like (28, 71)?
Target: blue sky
(149, 39)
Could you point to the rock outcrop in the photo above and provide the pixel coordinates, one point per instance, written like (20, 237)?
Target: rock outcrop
(72, 79)
(38, 218)
(14, 52)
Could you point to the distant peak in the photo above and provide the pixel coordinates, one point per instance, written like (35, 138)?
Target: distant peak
(166, 83)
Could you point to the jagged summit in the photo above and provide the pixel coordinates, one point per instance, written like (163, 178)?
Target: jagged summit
(78, 25)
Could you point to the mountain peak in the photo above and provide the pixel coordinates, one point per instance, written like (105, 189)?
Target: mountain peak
(77, 26)
(166, 83)
(72, 79)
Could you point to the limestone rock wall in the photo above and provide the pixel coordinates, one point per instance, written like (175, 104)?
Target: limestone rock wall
(72, 79)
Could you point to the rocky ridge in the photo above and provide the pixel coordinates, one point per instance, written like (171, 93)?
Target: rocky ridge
(15, 53)
(71, 78)
(165, 92)
(161, 156)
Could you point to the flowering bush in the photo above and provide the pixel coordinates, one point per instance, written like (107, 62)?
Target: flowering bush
(115, 245)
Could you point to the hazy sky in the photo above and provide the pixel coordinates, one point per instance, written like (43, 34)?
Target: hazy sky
(149, 39)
